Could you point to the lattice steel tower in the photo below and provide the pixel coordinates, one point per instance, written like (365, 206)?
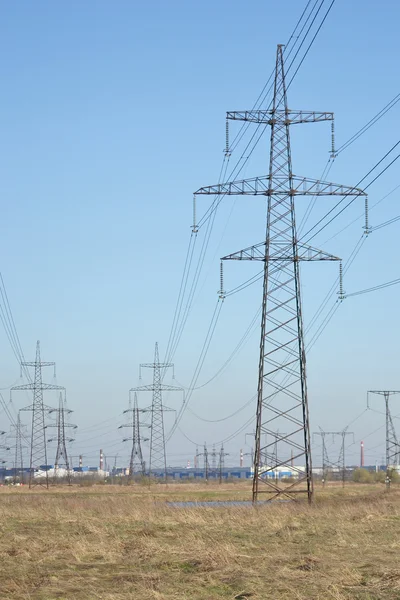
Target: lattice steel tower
(282, 401)
(61, 452)
(136, 463)
(158, 458)
(332, 465)
(392, 443)
(38, 455)
(18, 431)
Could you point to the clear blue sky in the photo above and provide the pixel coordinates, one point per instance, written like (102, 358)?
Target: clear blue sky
(112, 114)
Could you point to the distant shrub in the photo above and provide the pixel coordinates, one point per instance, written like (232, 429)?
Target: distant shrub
(363, 476)
(379, 476)
(86, 483)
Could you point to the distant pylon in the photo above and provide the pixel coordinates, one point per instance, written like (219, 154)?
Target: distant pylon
(282, 400)
(158, 458)
(18, 433)
(4, 447)
(221, 464)
(136, 463)
(338, 465)
(206, 464)
(213, 460)
(62, 439)
(392, 444)
(38, 456)
(18, 462)
(101, 461)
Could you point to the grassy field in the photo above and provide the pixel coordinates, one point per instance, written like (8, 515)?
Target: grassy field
(126, 543)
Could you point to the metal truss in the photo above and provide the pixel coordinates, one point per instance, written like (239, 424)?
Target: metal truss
(392, 444)
(282, 399)
(38, 456)
(62, 439)
(338, 465)
(137, 465)
(269, 116)
(158, 458)
(277, 185)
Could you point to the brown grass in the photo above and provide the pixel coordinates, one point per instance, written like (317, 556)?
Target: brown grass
(126, 543)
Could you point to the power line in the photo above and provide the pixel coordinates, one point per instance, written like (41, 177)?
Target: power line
(375, 288)
(370, 123)
(352, 200)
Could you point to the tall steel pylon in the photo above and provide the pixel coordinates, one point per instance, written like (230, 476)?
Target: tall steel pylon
(282, 400)
(158, 458)
(338, 465)
(18, 431)
(18, 461)
(221, 462)
(38, 454)
(392, 444)
(62, 439)
(136, 463)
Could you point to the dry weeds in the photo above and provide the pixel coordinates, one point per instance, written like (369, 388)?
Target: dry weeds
(127, 543)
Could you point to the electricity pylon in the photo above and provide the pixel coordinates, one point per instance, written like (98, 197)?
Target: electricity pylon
(206, 464)
(221, 463)
(213, 455)
(38, 456)
(282, 400)
(136, 464)
(158, 458)
(62, 439)
(392, 444)
(338, 465)
(18, 431)
(4, 447)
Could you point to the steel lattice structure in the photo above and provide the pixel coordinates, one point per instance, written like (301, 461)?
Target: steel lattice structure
(331, 464)
(61, 452)
(136, 463)
(221, 464)
(392, 444)
(18, 433)
(158, 458)
(282, 387)
(38, 454)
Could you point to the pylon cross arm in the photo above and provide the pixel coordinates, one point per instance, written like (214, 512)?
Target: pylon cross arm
(280, 252)
(33, 386)
(163, 387)
(279, 116)
(157, 365)
(267, 185)
(34, 364)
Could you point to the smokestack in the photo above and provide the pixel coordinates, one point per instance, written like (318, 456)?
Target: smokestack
(80, 460)
(362, 455)
(188, 464)
(101, 460)
(241, 457)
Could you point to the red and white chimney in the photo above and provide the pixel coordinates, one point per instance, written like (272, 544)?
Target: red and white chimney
(80, 460)
(362, 455)
(101, 460)
(241, 457)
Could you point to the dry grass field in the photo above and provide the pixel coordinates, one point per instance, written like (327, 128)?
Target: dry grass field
(114, 543)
